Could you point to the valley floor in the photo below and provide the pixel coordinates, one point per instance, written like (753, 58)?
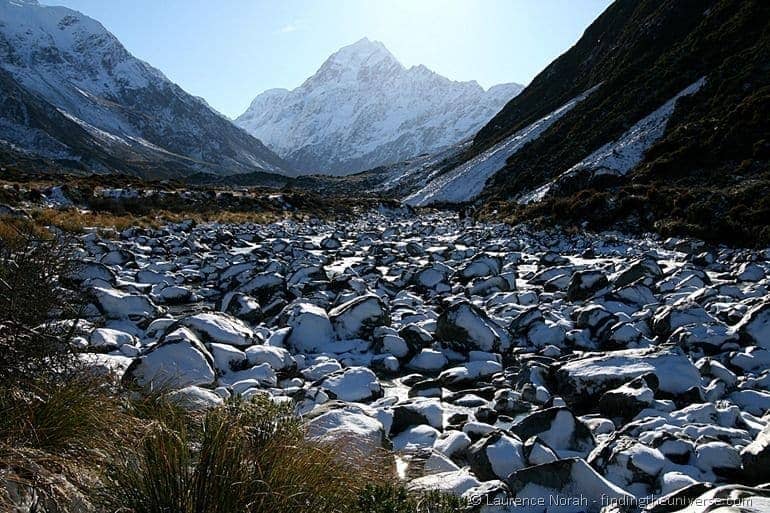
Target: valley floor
(498, 363)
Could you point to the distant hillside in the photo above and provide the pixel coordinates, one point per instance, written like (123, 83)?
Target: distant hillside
(657, 119)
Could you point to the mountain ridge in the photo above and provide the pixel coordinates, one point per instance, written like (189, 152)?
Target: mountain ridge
(139, 121)
(362, 108)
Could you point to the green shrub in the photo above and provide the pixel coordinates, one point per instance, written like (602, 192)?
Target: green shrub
(31, 262)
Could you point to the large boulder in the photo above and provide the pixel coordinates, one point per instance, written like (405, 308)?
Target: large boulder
(572, 481)
(495, 456)
(466, 327)
(559, 428)
(626, 401)
(756, 458)
(754, 328)
(220, 328)
(584, 379)
(349, 427)
(353, 384)
(179, 360)
(116, 304)
(359, 317)
(469, 372)
(585, 284)
(311, 330)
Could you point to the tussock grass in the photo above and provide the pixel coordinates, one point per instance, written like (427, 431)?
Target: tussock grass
(245, 456)
(72, 220)
(394, 498)
(72, 413)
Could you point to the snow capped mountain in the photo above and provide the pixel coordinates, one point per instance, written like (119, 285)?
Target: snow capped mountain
(364, 109)
(132, 117)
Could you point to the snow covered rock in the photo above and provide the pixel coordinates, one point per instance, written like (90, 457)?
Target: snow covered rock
(754, 328)
(178, 361)
(456, 482)
(629, 399)
(347, 426)
(193, 398)
(559, 428)
(495, 456)
(107, 339)
(467, 327)
(756, 458)
(585, 378)
(220, 328)
(417, 411)
(353, 384)
(116, 304)
(571, 480)
(277, 357)
(469, 373)
(241, 306)
(311, 330)
(359, 317)
(585, 284)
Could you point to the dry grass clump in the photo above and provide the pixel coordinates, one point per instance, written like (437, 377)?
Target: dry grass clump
(73, 220)
(241, 457)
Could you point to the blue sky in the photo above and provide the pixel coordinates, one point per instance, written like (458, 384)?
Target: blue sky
(228, 51)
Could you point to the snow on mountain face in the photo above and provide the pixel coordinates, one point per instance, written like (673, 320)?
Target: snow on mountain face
(467, 181)
(73, 63)
(622, 155)
(363, 109)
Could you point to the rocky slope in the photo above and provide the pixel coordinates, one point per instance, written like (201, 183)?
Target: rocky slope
(73, 94)
(673, 136)
(499, 364)
(363, 109)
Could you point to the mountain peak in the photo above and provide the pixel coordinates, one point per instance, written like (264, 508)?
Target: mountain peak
(363, 52)
(363, 109)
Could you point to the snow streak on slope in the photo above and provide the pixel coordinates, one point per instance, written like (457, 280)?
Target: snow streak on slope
(622, 155)
(363, 109)
(466, 181)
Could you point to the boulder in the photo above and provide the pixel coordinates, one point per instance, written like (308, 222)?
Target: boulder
(570, 480)
(353, 384)
(178, 361)
(311, 330)
(467, 327)
(116, 304)
(559, 428)
(349, 428)
(754, 328)
(495, 456)
(220, 328)
(583, 379)
(359, 317)
(756, 458)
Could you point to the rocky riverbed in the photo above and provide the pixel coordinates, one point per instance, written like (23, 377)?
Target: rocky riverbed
(500, 363)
